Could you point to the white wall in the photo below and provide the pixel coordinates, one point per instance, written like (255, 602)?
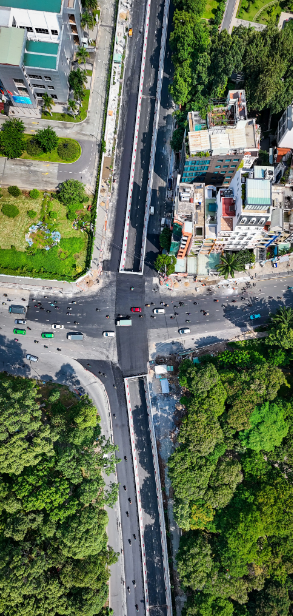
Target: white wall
(287, 140)
(36, 19)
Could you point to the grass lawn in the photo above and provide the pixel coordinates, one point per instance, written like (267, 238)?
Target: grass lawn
(51, 157)
(65, 117)
(248, 10)
(65, 260)
(211, 6)
(89, 73)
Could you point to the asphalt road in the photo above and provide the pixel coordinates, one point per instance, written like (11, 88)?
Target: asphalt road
(230, 11)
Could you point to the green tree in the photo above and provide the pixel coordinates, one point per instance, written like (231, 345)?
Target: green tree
(77, 79)
(48, 103)
(11, 138)
(280, 337)
(194, 560)
(283, 317)
(72, 106)
(268, 427)
(90, 4)
(47, 139)
(87, 20)
(165, 264)
(82, 54)
(72, 192)
(228, 265)
(165, 238)
(206, 605)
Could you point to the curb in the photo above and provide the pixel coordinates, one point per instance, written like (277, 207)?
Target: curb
(134, 147)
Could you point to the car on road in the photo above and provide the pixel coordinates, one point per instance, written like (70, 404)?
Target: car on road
(74, 336)
(56, 326)
(184, 330)
(108, 334)
(32, 357)
(16, 309)
(133, 309)
(130, 32)
(19, 331)
(47, 335)
(20, 321)
(254, 316)
(159, 310)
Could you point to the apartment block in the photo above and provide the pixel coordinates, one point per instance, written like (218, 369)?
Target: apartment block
(214, 148)
(189, 219)
(285, 129)
(37, 44)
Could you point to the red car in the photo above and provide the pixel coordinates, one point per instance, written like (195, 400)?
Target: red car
(135, 309)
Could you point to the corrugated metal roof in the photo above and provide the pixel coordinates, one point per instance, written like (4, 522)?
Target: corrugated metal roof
(37, 60)
(42, 47)
(258, 191)
(219, 141)
(11, 45)
(192, 265)
(198, 141)
(259, 171)
(180, 266)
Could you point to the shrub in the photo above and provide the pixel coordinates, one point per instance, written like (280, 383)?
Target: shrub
(47, 139)
(53, 214)
(31, 213)
(34, 193)
(33, 148)
(68, 149)
(10, 210)
(72, 191)
(11, 138)
(14, 191)
(71, 215)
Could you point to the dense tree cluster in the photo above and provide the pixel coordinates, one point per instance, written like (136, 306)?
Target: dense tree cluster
(53, 542)
(205, 58)
(232, 478)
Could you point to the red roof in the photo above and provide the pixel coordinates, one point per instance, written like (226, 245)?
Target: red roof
(228, 206)
(281, 153)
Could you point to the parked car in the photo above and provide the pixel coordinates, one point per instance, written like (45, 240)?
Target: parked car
(19, 331)
(135, 309)
(109, 334)
(47, 335)
(254, 316)
(56, 326)
(20, 321)
(159, 310)
(32, 357)
(184, 330)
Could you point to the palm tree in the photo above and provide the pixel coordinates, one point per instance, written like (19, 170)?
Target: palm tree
(48, 102)
(87, 20)
(82, 54)
(228, 265)
(72, 106)
(283, 316)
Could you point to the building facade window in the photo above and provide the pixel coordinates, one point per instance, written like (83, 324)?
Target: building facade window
(35, 77)
(38, 85)
(54, 96)
(47, 78)
(42, 31)
(51, 88)
(54, 32)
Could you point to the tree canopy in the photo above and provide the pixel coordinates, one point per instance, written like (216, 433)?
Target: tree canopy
(231, 475)
(55, 557)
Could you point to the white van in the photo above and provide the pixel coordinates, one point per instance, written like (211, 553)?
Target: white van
(184, 330)
(109, 334)
(159, 310)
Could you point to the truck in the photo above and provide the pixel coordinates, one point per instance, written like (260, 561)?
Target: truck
(124, 322)
(16, 309)
(75, 336)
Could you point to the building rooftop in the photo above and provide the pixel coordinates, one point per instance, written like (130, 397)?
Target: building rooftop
(224, 139)
(253, 221)
(51, 6)
(41, 54)
(258, 192)
(226, 224)
(11, 45)
(263, 172)
(228, 206)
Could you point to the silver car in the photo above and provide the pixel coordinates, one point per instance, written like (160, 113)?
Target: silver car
(20, 321)
(32, 357)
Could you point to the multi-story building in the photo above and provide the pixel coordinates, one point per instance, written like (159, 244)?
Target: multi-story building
(37, 44)
(189, 219)
(285, 129)
(214, 149)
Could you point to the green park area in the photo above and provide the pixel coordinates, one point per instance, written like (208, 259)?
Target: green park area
(56, 557)
(71, 148)
(259, 10)
(210, 8)
(42, 235)
(231, 475)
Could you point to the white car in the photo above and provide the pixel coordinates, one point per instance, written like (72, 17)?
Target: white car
(159, 310)
(32, 357)
(184, 330)
(56, 326)
(20, 321)
(109, 334)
